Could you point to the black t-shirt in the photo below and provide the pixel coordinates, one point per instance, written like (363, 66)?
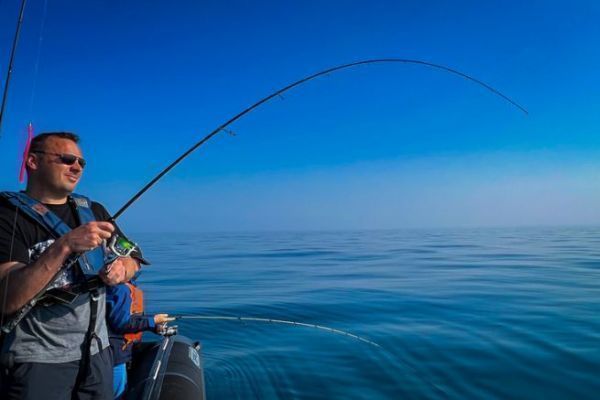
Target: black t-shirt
(54, 333)
(24, 238)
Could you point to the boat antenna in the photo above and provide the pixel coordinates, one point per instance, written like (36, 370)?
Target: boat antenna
(11, 62)
(297, 83)
(276, 321)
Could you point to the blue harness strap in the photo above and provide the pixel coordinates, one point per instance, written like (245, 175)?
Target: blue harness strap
(90, 262)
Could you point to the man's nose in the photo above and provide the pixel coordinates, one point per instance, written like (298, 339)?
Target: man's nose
(75, 167)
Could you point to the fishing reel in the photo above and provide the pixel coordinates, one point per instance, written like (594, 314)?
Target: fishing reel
(166, 330)
(118, 246)
(121, 246)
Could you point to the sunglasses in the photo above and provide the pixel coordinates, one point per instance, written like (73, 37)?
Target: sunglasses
(68, 159)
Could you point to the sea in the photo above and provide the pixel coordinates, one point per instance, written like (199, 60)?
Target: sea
(490, 313)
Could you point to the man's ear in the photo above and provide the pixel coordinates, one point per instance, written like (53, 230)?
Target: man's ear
(32, 162)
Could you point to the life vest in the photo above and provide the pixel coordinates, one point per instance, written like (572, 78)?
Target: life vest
(92, 261)
(136, 308)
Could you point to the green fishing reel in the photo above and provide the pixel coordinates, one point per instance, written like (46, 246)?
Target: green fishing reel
(121, 246)
(118, 246)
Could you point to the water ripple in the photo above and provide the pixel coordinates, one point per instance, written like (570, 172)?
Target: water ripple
(460, 314)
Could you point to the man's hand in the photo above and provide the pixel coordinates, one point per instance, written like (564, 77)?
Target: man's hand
(19, 283)
(119, 271)
(88, 236)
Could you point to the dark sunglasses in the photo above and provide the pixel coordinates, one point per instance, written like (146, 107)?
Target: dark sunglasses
(68, 159)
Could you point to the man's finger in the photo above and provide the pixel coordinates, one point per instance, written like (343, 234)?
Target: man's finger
(104, 234)
(105, 226)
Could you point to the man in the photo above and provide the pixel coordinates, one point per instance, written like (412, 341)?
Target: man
(59, 350)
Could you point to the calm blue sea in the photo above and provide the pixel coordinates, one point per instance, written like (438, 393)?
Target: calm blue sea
(459, 314)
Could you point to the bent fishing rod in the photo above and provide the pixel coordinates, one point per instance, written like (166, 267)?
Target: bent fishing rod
(279, 92)
(276, 321)
(121, 246)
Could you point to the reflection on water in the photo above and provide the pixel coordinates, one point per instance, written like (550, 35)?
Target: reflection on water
(488, 313)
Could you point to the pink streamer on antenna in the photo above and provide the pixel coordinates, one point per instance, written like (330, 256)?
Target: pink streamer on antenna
(26, 152)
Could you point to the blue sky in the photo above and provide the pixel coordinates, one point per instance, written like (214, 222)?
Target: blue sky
(381, 146)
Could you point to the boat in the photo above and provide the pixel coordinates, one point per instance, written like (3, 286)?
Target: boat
(170, 368)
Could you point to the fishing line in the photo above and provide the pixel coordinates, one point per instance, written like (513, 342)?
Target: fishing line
(37, 60)
(29, 128)
(10, 253)
(276, 321)
(294, 84)
(11, 62)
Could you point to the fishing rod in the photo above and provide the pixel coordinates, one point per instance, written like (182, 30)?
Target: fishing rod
(11, 62)
(275, 321)
(121, 246)
(297, 83)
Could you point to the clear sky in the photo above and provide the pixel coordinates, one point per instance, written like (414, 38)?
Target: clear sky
(381, 146)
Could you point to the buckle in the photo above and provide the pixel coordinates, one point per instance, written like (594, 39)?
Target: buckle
(95, 295)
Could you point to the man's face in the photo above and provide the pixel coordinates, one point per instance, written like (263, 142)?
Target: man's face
(53, 173)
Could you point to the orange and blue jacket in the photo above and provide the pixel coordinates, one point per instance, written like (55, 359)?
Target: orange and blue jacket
(125, 319)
